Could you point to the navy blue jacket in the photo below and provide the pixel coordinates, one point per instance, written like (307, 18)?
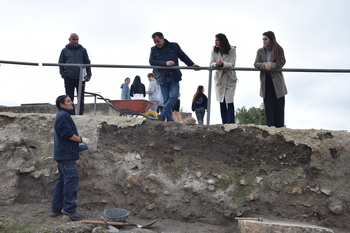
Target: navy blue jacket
(65, 149)
(73, 55)
(201, 101)
(169, 52)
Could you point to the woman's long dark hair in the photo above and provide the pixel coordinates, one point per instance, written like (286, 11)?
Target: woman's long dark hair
(277, 50)
(198, 93)
(224, 44)
(137, 85)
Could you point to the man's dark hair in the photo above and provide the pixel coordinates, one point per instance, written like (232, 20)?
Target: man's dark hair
(126, 79)
(150, 75)
(60, 100)
(159, 34)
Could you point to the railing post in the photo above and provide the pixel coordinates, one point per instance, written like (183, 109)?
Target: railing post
(209, 95)
(79, 89)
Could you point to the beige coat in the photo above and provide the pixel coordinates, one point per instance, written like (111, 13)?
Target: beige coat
(277, 77)
(225, 80)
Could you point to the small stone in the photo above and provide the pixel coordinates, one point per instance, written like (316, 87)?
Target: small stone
(27, 170)
(313, 190)
(239, 214)
(151, 206)
(103, 201)
(138, 156)
(250, 197)
(259, 179)
(198, 174)
(307, 205)
(338, 209)
(211, 181)
(243, 182)
(152, 177)
(326, 191)
(176, 148)
(297, 191)
(166, 193)
(134, 178)
(37, 174)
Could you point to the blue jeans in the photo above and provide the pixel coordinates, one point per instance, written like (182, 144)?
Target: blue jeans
(66, 187)
(170, 91)
(200, 115)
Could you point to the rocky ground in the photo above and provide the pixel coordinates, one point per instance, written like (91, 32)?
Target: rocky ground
(192, 178)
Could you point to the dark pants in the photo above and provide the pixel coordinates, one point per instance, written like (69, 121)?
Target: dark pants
(66, 187)
(71, 85)
(274, 107)
(227, 112)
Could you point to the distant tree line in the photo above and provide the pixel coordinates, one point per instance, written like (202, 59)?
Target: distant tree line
(253, 115)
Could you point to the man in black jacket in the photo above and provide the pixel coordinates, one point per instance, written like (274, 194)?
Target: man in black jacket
(74, 53)
(166, 53)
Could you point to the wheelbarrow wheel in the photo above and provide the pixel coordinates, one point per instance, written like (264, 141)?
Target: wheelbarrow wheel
(151, 114)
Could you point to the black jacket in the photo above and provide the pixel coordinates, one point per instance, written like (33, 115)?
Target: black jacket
(169, 52)
(73, 55)
(201, 101)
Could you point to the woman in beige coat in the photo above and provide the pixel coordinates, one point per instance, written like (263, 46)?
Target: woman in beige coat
(224, 56)
(272, 85)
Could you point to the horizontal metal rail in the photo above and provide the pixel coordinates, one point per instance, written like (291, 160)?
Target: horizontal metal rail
(197, 68)
(210, 69)
(20, 63)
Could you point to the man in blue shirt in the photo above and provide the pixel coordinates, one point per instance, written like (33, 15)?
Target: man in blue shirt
(166, 53)
(66, 152)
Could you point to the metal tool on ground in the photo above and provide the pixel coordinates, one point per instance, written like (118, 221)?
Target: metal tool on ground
(121, 223)
(258, 219)
(109, 228)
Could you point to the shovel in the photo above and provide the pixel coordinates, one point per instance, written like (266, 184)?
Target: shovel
(109, 228)
(121, 223)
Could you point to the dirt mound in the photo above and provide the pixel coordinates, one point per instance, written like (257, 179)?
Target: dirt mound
(190, 176)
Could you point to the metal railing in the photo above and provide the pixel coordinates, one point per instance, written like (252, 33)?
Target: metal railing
(210, 69)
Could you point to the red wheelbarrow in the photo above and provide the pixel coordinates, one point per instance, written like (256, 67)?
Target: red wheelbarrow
(135, 107)
(131, 107)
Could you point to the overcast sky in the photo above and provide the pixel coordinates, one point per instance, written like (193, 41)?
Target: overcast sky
(313, 33)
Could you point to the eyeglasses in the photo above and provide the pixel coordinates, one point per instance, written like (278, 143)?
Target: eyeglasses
(265, 38)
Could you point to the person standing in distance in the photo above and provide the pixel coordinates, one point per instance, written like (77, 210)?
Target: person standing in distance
(66, 152)
(199, 104)
(166, 53)
(272, 85)
(224, 55)
(74, 53)
(125, 90)
(154, 93)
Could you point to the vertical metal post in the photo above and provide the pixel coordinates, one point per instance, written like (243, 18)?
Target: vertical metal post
(79, 90)
(95, 97)
(209, 95)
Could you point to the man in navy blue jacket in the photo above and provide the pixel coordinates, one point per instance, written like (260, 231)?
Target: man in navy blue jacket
(66, 152)
(166, 53)
(74, 53)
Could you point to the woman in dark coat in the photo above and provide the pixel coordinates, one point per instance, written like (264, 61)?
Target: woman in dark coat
(137, 90)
